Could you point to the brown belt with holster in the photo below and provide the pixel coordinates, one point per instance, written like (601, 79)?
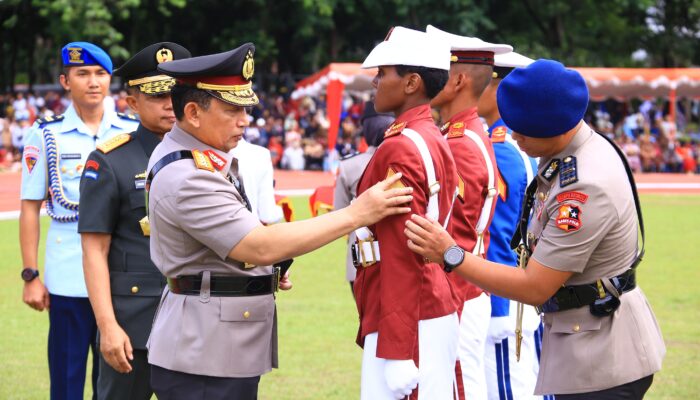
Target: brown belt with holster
(226, 286)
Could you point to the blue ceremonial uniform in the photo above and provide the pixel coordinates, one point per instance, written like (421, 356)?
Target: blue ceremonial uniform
(506, 378)
(63, 270)
(52, 164)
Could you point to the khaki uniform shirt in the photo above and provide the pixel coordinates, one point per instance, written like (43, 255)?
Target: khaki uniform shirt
(584, 221)
(196, 218)
(349, 173)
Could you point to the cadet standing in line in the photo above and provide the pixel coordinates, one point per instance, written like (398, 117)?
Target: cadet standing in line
(256, 172)
(408, 319)
(54, 157)
(351, 168)
(215, 330)
(123, 284)
(506, 375)
(470, 73)
(601, 339)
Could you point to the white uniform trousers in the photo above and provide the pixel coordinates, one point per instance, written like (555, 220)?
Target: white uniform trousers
(473, 329)
(508, 379)
(437, 349)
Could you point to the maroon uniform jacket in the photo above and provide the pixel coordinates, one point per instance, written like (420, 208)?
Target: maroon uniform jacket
(473, 181)
(395, 293)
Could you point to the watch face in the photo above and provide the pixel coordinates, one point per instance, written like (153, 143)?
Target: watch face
(28, 274)
(454, 256)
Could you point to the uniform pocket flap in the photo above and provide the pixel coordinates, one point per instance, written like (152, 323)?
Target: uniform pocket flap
(247, 309)
(137, 199)
(575, 321)
(136, 283)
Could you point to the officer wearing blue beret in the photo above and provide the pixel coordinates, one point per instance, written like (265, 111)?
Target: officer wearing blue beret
(52, 162)
(577, 240)
(123, 284)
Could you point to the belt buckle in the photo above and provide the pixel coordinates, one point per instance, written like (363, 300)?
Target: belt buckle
(360, 249)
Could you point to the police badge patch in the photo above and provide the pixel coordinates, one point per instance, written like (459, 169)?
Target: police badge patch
(30, 157)
(569, 217)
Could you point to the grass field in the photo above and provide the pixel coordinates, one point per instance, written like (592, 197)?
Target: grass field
(318, 321)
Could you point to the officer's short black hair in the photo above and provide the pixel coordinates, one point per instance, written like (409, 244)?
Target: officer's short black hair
(183, 94)
(434, 79)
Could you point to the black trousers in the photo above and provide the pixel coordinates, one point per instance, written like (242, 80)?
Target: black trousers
(629, 391)
(136, 385)
(173, 385)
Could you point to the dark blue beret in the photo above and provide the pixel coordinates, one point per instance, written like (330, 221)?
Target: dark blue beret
(543, 100)
(79, 54)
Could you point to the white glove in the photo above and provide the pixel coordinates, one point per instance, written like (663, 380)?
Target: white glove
(401, 377)
(501, 327)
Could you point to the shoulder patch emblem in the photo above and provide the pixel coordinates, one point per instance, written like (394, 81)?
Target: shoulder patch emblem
(201, 161)
(498, 134)
(551, 170)
(502, 187)
(568, 174)
(130, 117)
(91, 175)
(456, 130)
(93, 165)
(50, 119)
(569, 217)
(576, 196)
(113, 143)
(30, 156)
(394, 129)
(396, 185)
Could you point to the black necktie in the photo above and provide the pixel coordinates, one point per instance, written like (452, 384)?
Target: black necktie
(233, 178)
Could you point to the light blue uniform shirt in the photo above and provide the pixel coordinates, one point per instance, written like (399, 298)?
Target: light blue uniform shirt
(63, 269)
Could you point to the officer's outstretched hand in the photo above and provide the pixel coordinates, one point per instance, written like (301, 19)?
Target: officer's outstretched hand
(35, 295)
(380, 201)
(427, 238)
(401, 377)
(115, 347)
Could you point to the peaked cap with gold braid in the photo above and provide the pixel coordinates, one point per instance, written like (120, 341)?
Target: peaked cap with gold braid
(141, 70)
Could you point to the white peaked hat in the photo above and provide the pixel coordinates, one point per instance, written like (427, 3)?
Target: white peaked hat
(404, 46)
(505, 63)
(468, 50)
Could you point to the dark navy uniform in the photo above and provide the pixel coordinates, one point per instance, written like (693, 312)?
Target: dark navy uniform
(113, 202)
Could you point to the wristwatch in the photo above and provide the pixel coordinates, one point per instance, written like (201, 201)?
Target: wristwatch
(28, 274)
(452, 258)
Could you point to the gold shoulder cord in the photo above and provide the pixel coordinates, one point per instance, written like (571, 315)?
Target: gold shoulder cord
(523, 257)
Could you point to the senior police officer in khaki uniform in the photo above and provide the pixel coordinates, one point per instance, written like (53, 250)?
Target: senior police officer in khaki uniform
(123, 285)
(601, 339)
(214, 333)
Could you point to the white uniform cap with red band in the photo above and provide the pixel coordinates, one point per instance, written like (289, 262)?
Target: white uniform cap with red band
(466, 43)
(404, 46)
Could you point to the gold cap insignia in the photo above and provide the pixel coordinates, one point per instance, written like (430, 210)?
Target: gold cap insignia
(75, 53)
(164, 55)
(248, 66)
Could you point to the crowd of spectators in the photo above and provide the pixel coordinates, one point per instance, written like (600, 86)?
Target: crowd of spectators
(296, 132)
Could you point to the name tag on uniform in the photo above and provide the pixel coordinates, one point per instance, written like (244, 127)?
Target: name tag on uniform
(140, 184)
(71, 156)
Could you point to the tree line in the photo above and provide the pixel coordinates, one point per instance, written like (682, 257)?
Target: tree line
(300, 36)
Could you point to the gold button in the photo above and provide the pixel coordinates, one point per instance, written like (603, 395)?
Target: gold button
(64, 169)
(541, 195)
(246, 315)
(134, 289)
(577, 328)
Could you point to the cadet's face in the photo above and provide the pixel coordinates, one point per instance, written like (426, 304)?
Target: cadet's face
(223, 124)
(88, 85)
(389, 85)
(156, 112)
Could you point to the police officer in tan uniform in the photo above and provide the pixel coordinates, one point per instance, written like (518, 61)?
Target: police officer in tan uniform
(351, 168)
(601, 339)
(215, 332)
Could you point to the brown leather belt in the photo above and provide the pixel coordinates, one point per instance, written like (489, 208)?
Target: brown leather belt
(225, 286)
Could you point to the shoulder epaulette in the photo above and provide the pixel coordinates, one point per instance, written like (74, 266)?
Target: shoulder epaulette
(49, 119)
(113, 143)
(456, 130)
(130, 117)
(349, 156)
(201, 161)
(394, 129)
(498, 134)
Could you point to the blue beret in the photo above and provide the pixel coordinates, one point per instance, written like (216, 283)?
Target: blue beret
(543, 100)
(78, 54)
